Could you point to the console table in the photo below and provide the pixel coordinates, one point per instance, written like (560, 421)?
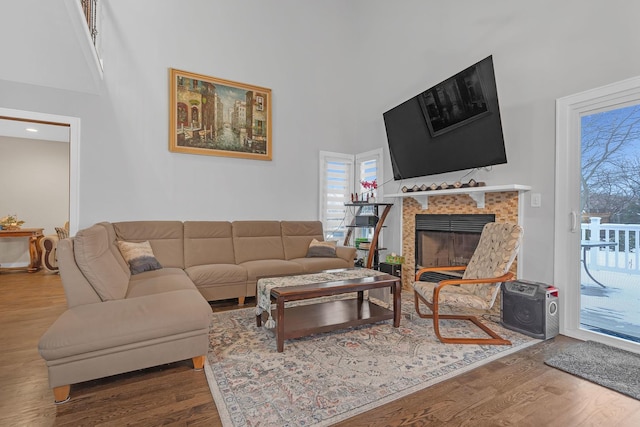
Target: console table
(34, 235)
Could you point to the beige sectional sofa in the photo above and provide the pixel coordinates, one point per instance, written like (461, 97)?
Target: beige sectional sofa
(118, 322)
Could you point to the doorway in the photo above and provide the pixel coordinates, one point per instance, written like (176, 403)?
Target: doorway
(73, 125)
(597, 210)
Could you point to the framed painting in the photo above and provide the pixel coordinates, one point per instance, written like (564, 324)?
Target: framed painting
(218, 117)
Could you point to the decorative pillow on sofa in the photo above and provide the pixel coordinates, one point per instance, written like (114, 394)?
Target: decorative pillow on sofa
(321, 249)
(139, 256)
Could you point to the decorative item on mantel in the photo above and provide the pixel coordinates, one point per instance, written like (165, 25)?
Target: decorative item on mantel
(10, 222)
(443, 186)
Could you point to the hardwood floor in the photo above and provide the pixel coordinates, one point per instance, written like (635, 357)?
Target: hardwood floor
(515, 390)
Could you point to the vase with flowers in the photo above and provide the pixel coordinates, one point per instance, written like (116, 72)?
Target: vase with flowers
(10, 222)
(370, 188)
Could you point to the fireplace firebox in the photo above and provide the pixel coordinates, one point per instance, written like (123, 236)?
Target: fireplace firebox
(448, 239)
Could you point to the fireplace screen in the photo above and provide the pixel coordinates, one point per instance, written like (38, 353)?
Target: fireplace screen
(447, 240)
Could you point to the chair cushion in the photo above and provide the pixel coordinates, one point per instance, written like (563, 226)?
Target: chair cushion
(63, 233)
(496, 250)
(458, 296)
(494, 255)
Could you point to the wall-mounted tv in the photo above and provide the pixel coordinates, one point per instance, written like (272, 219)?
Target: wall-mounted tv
(454, 125)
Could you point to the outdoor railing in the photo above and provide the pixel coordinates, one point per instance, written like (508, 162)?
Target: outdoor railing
(624, 257)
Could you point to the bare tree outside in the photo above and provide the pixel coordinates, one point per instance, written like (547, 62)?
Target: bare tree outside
(610, 183)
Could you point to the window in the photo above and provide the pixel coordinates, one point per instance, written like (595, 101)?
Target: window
(370, 169)
(336, 186)
(340, 177)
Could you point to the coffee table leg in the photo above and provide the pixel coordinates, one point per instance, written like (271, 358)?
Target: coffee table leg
(397, 302)
(280, 324)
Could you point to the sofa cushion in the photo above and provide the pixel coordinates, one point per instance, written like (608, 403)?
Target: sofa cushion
(98, 263)
(165, 237)
(270, 267)
(297, 235)
(213, 274)
(115, 326)
(159, 281)
(313, 265)
(208, 242)
(319, 249)
(257, 240)
(139, 256)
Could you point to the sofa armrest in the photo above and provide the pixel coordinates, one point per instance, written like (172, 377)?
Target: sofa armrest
(77, 289)
(348, 253)
(48, 245)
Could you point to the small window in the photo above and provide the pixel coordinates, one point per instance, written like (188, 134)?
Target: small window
(341, 176)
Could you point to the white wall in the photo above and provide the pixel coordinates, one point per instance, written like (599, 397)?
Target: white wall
(34, 185)
(296, 48)
(334, 68)
(288, 46)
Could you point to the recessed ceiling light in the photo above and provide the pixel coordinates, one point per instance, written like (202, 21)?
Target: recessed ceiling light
(31, 130)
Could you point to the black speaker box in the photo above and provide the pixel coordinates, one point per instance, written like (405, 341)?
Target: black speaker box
(530, 308)
(366, 220)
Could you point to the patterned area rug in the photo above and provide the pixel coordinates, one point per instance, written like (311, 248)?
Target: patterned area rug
(326, 378)
(602, 364)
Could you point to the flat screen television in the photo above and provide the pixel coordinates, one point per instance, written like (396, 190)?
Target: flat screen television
(452, 126)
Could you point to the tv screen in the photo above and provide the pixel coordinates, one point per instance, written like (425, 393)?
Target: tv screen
(454, 125)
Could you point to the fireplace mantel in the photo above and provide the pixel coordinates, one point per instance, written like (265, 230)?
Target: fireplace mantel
(476, 193)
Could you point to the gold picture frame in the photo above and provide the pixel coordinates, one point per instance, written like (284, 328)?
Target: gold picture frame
(218, 117)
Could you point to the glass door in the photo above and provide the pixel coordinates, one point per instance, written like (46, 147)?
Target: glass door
(597, 214)
(610, 222)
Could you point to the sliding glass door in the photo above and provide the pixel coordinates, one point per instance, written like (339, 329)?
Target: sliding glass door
(597, 225)
(610, 222)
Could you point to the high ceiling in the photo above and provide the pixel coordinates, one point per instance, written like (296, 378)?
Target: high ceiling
(46, 43)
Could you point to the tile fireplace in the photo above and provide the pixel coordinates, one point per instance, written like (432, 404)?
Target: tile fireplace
(501, 206)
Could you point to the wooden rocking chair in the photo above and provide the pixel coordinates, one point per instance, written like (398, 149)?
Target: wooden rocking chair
(479, 285)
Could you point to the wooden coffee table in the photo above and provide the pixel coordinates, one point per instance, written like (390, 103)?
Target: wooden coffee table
(313, 318)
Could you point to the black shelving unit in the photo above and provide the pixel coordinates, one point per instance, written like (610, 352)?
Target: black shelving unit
(363, 219)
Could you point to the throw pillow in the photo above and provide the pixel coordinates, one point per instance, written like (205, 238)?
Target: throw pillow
(321, 249)
(63, 233)
(139, 256)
